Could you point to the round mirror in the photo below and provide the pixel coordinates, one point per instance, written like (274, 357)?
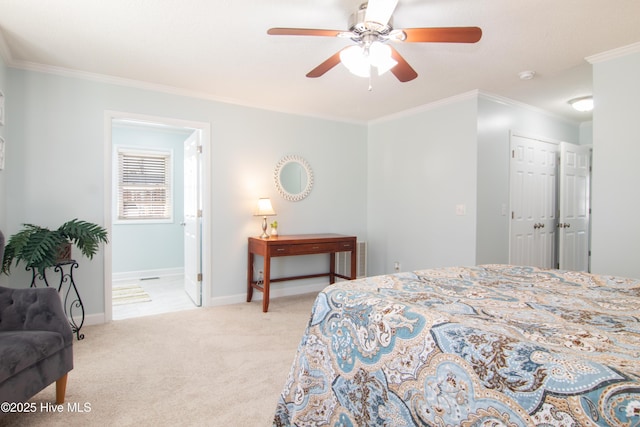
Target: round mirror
(293, 178)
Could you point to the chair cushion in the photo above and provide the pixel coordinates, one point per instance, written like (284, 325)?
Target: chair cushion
(21, 349)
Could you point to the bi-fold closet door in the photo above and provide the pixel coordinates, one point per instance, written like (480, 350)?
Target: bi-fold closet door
(549, 197)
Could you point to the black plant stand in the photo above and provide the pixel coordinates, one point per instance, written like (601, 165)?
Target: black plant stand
(71, 301)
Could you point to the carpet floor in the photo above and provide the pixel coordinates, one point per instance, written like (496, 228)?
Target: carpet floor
(214, 366)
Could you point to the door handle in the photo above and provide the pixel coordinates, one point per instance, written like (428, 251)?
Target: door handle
(538, 225)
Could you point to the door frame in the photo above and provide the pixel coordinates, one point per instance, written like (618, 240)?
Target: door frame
(205, 128)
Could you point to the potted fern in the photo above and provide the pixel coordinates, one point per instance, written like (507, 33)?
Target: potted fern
(39, 248)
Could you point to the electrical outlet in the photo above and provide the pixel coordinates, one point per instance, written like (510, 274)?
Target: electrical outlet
(396, 266)
(260, 275)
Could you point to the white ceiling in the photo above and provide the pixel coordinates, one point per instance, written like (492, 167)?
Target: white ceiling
(219, 49)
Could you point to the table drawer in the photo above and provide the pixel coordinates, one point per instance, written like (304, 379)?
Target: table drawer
(306, 248)
(345, 246)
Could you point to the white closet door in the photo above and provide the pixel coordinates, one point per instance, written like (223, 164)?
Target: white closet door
(533, 198)
(573, 225)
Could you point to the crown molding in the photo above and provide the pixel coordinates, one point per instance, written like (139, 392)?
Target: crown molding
(514, 103)
(5, 53)
(171, 90)
(118, 81)
(427, 107)
(614, 53)
(155, 87)
(474, 94)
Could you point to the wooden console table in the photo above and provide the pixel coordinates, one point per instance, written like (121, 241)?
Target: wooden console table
(292, 245)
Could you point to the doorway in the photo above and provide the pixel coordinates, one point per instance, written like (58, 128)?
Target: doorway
(550, 199)
(149, 266)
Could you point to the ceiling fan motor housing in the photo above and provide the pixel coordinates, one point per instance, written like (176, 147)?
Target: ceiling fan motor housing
(359, 26)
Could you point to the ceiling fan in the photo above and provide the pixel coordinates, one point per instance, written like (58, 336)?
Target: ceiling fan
(371, 29)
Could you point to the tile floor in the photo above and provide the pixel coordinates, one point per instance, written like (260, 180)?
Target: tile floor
(167, 294)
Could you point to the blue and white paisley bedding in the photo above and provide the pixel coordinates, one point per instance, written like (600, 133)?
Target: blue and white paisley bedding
(469, 346)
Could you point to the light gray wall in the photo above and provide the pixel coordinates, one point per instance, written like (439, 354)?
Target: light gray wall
(150, 247)
(616, 175)
(3, 132)
(421, 165)
(57, 170)
(247, 148)
(394, 183)
(496, 120)
(586, 133)
(3, 182)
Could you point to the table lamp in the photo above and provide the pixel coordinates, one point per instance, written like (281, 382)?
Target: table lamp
(264, 209)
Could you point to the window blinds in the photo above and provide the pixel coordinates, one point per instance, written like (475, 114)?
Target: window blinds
(144, 185)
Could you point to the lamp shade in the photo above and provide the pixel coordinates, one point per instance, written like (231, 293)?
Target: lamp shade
(355, 60)
(264, 207)
(380, 57)
(360, 59)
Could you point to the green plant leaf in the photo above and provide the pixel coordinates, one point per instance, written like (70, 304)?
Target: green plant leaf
(37, 247)
(85, 235)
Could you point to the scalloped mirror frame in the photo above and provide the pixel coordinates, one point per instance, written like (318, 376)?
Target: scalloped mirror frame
(287, 195)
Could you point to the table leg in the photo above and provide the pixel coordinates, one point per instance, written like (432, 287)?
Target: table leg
(250, 277)
(354, 268)
(332, 268)
(266, 280)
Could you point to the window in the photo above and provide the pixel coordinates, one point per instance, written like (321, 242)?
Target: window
(144, 185)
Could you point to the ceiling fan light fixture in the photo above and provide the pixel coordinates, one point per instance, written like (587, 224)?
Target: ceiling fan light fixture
(355, 60)
(582, 104)
(380, 57)
(386, 65)
(359, 59)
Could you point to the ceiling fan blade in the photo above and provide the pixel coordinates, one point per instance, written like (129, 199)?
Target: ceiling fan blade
(380, 11)
(442, 35)
(326, 65)
(402, 70)
(303, 32)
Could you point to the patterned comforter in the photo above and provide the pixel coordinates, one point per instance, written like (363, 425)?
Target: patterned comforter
(492, 345)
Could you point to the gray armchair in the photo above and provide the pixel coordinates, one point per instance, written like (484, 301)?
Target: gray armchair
(36, 342)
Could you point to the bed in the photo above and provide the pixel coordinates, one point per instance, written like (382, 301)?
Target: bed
(490, 345)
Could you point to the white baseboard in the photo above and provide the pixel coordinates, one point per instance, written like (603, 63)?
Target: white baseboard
(99, 318)
(93, 319)
(274, 293)
(143, 274)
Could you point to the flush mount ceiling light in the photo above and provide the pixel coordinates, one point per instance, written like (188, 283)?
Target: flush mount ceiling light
(582, 104)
